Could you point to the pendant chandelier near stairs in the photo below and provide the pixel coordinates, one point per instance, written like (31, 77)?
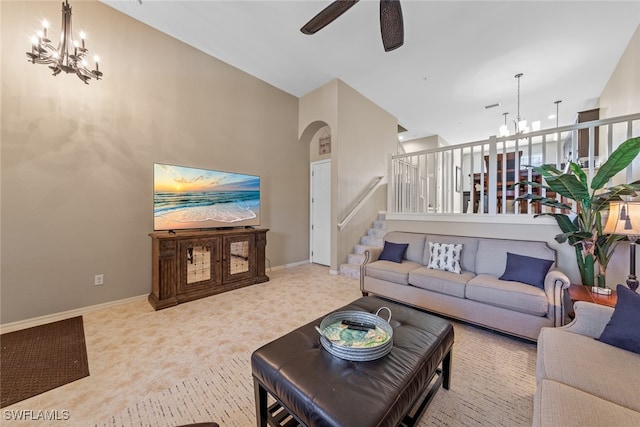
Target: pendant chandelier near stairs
(520, 123)
(69, 56)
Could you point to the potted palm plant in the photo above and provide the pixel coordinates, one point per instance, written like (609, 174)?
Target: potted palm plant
(582, 226)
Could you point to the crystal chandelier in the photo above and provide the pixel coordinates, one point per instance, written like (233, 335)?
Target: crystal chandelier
(70, 54)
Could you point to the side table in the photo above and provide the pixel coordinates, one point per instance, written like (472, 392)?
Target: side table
(583, 293)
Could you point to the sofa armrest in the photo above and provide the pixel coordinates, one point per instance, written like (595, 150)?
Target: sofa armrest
(555, 283)
(370, 255)
(554, 279)
(590, 320)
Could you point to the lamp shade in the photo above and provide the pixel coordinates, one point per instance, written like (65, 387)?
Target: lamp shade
(624, 218)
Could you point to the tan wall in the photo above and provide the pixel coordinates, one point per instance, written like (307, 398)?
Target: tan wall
(621, 96)
(77, 160)
(314, 147)
(426, 143)
(362, 134)
(367, 134)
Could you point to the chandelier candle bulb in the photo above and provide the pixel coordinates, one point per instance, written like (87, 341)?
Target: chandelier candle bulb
(63, 58)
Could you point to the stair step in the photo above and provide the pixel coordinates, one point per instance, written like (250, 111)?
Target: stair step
(350, 270)
(372, 241)
(380, 224)
(377, 232)
(355, 259)
(359, 249)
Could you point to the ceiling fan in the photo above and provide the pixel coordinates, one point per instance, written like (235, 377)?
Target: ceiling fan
(391, 25)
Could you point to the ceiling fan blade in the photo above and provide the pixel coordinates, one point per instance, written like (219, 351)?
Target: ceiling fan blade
(327, 16)
(391, 24)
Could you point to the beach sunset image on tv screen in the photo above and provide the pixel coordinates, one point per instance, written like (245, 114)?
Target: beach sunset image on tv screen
(188, 198)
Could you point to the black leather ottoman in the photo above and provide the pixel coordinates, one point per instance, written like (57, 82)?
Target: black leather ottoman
(311, 387)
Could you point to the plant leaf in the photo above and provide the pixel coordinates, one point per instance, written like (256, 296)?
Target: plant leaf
(564, 222)
(579, 173)
(569, 186)
(547, 170)
(619, 159)
(546, 201)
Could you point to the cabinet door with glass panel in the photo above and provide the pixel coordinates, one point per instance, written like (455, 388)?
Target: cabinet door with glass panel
(239, 260)
(199, 264)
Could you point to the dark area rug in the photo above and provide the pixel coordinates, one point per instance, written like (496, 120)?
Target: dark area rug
(41, 358)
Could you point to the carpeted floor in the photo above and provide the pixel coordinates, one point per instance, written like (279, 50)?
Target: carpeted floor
(41, 358)
(190, 363)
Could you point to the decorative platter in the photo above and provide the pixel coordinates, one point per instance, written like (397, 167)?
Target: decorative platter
(356, 335)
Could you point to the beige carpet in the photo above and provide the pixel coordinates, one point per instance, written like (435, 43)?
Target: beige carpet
(190, 363)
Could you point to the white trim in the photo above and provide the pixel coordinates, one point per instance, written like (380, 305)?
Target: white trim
(293, 264)
(36, 321)
(311, 201)
(473, 218)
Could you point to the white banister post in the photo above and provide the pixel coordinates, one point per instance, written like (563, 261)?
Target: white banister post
(391, 182)
(493, 174)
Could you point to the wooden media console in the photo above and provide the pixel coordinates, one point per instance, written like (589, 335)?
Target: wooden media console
(188, 265)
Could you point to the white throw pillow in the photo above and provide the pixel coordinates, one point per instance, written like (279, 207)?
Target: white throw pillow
(445, 256)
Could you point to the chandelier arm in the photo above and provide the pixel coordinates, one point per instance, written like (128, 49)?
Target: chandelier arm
(68, 56)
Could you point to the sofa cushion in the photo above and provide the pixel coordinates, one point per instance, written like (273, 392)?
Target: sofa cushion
(439, 281)
(557, 404)
(584, 363)
(515, 296)
(526, 269)
(445, 256)
(415, 241)
(393, 251)
(391, 271)
(622, 330)
(467, 256)
(492, 254)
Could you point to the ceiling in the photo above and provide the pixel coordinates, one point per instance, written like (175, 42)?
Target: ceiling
(457, 58)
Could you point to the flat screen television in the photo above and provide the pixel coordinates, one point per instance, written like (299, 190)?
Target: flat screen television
(191, 198)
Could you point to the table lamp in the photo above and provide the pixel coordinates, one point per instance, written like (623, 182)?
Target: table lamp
(624, 219)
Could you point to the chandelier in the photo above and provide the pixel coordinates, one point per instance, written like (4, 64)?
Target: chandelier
(69, 56)
(520, 123)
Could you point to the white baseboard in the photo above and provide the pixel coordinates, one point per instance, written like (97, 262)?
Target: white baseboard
(36, 321)
(283, 266)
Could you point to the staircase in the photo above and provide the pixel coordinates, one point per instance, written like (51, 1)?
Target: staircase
(374, 238)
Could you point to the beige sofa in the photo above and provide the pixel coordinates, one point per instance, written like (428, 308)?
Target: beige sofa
(476, 295)
(582, 381)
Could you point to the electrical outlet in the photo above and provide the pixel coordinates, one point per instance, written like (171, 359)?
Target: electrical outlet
(98, 280)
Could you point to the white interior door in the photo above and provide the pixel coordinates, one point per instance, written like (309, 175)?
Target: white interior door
(321, 212)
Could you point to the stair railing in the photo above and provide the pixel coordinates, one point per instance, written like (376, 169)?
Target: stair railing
(375, 184)
(462, 178)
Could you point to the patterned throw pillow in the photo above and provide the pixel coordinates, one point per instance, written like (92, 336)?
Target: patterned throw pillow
(445, 256)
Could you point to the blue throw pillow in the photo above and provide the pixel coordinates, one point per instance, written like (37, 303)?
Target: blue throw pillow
(622, 330)
(393, 251)
(526, 269)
